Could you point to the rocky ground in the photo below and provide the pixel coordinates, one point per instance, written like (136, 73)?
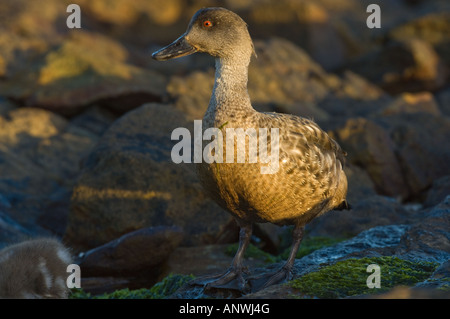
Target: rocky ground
(86, 118)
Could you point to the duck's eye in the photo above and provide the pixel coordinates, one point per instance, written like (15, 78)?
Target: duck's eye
(207, 24)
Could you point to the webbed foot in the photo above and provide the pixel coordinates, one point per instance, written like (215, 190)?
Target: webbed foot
(232, 279)
(268, 279)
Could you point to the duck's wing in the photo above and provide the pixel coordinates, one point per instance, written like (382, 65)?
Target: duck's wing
(311, 162)
(300, 136)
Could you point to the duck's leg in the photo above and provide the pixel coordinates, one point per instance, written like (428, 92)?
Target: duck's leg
(233, 277)
(285, 272)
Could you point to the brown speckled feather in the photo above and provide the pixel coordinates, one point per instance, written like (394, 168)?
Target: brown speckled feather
(309, 181)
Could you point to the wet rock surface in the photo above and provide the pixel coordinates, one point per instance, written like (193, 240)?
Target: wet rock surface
(424, 240)
(85, 136)
(137, 256)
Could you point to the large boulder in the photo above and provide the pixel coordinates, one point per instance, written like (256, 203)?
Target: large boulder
(410, 64)
(133, 252)
(432, 28)
(370, 146)
(40, 153)
(421, 147)
(403, 150)
(82, 69)
(129, 182)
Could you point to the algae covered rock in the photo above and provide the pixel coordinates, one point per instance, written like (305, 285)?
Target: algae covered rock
(413, 253)
(163, 289)
(349, 277)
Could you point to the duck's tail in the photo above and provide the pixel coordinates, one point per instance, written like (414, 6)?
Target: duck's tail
(344, 205)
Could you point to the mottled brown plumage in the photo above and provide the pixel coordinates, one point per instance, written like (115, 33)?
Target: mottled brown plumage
(310, 180)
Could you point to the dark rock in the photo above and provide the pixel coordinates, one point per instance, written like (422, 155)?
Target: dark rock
(358, 88)
(422, 102)
(443, 98)
(192, 92)
(5, 106)
(308, 110)
(283, 73)
(385, 236)
(421, 141)
(54, 212)
(18, 53)
(365, 214)
(369, 145)
(403, 153)
(409, 65)
(420, 237)
(317, 32)
(135, 253)
(330, 33)
(94, 119)
(39, 160)
(11, 232)
(136, 22)
(432, 28)
(360, 186)
(204, 260)
(29, 21)
(284, 78)
(129, 182)
(83, 69)
(341, 109)
(375, 238)
(101, 285)
(44, 142)
(428, 239)
(439, 190)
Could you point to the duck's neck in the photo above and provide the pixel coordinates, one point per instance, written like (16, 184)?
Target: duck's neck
(230, 94)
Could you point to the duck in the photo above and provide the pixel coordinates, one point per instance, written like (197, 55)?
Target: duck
(34, 269)
(310, 179)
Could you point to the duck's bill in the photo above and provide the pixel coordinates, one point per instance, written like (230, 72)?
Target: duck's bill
(180, 47)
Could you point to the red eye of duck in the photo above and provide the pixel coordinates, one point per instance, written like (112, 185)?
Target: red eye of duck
(207, 24)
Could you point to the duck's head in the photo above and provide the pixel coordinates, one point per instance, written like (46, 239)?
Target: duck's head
(216, 31)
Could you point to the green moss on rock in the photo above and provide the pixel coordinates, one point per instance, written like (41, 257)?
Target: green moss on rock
(160, 290)
(169, 285)
(349, 277)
